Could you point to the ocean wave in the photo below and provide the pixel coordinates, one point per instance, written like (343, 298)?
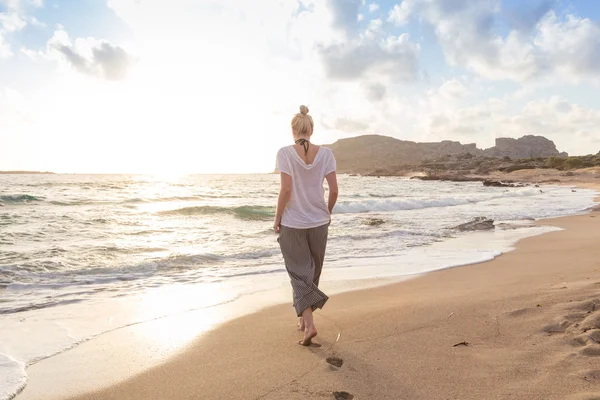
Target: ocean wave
(242, 212)
(351, 207)
(37, 306)
(47, 274)
(427, 236)
(138, 200)
(178, 261)
(74, 203)
(19, 199)
(382, 196)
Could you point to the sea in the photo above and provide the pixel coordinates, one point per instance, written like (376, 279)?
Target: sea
(77, 251)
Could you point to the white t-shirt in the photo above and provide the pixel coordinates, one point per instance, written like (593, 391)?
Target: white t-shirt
(307, 207)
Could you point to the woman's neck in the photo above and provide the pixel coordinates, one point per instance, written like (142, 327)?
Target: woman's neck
(297, 138)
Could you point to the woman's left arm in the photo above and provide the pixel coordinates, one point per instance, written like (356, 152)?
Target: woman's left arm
(285, 193)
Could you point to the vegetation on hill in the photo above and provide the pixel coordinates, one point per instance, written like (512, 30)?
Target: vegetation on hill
(463, 165)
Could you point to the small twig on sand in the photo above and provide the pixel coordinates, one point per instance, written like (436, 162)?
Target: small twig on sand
(451, 314)
(465, 343)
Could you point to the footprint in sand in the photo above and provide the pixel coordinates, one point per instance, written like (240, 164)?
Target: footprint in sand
(579, 341)
(593, 335)
(591, 322)
(344, 396)
(591, 376)
(584, 396)
(335, 361)
(577, 316)
(591, 351)
(584, 316)
(520, 312)
(557, 327)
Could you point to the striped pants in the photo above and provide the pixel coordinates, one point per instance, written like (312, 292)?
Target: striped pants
(303, 252)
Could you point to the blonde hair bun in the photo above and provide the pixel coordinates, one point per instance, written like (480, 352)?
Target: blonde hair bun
(302, 123)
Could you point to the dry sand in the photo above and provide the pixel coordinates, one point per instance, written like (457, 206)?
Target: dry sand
(530, 320)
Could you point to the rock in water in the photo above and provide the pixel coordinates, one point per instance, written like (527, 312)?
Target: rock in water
(478, 224)
(492, 183)
(374, 221)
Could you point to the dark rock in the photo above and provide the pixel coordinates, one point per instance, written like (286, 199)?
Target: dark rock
(492, 183)
(374, 222)
(335, 361)
(448, 177)
(478, 224)
(342, 396)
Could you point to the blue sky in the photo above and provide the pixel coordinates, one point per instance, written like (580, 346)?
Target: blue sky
(185, 86)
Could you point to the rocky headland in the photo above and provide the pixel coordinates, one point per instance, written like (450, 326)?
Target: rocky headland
(375, 155)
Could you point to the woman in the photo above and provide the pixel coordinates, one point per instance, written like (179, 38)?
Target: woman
(302, 218)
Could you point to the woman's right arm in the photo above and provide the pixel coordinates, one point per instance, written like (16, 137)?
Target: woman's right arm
(285, 193)
(333, 190)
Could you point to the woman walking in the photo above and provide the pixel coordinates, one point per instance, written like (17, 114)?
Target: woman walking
(303, 217)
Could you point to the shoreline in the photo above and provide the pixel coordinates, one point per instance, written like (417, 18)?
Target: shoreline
(279, 309)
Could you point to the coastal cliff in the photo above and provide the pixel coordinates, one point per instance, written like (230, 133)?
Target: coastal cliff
(375, 154)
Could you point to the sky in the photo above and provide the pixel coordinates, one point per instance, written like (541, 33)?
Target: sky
(210, 86)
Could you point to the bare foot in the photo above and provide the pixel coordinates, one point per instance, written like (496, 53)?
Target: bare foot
(309, 334)
(301, 324)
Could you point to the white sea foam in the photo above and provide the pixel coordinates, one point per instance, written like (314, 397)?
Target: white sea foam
(420, 203)
(12, 377)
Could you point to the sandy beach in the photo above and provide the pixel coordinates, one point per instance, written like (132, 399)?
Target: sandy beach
(523, 326)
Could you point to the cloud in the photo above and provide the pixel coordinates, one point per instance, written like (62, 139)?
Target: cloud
(375, 91)
(567, 48)
(373, 7)
(345, 14)
(571, 126)
(346, 125)
(12, 22)
(5, 50)
(14, 110)
(461, 109)
(35, 22)
(572, 46)
(526, 16)
(392, 59)
(91, 56)
(453, 89)
(374, 29)
(401, 13)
